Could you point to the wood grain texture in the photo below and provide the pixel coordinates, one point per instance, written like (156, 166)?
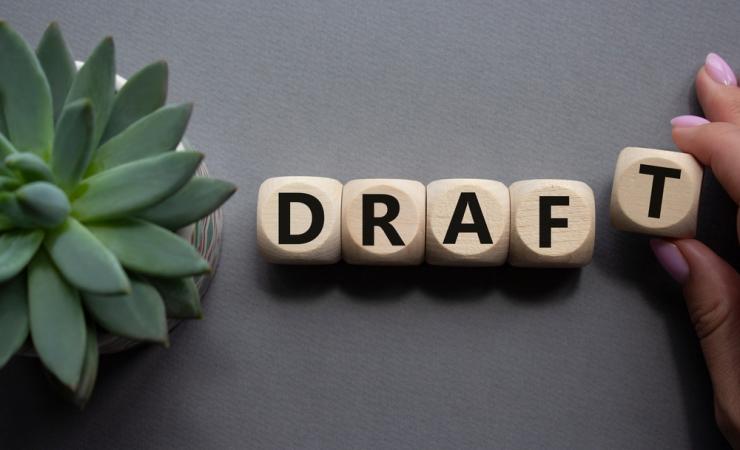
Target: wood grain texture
(409, 222)
(325, 248)
(571, 243)
(491, 201)
(632, 193)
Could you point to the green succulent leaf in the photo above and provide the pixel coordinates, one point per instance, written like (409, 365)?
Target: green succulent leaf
(200, 197)
(180, 295)
(96, 80)
(41, 204)
(58, 329)
(6, 147)
(133, 186)
(9, 208)
(4, 170)
(85, 262)
(8, 183)
(154, 134)
(73, 143)
(143, 93)
(89, 369)
(58, 65)
(149, 249)
(13, 317)
(16, 250)
(5, 223)
(29, 167)
(139, 315)
(11, 213)
(25, 95)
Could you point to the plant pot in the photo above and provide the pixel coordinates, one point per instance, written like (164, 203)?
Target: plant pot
(204, 235)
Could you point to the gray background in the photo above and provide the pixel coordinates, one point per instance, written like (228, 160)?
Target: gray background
(415, 358)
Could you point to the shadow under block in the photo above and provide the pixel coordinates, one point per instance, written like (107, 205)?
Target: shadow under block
(383, 222)
(553, 223)
(299, 220)
(467, 222)
(656, 192)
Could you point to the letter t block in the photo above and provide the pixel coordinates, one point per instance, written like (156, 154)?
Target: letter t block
(656, 192)
(299, 220)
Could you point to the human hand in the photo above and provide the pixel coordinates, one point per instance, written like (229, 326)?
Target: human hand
(711, 286)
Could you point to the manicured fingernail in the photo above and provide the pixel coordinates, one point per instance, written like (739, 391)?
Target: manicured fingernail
(688, 121)
(719, 70)
(670, 257)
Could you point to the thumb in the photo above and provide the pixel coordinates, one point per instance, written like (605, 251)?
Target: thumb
(712, 290)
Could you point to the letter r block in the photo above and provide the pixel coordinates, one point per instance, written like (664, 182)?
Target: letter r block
(299, 219)
(553, 223)
(467, 222)
(656, 192)
(383, 222)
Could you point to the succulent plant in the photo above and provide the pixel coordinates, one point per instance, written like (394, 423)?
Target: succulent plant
(91, 194)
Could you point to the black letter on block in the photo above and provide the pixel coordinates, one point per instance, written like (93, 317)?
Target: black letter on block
(369, 221)
(547, 222)
(317, 217)
(468, 200)
(656, 195)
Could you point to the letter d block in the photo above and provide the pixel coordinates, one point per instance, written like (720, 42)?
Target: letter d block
(383, 222)
(553, 223)
(656, 192)
(299, 219)
(467, 222)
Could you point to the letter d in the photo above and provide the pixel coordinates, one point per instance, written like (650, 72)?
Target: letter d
(317, 217)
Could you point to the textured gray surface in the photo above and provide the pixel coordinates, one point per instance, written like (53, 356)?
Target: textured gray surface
(357, 358)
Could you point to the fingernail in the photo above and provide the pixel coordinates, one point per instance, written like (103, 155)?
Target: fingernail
(719, 70)
(688, 121)
(670, 257)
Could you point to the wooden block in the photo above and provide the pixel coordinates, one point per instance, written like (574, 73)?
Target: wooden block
(383, 222)
(299, 220)
(656, 192)
(553, 223)
(467, 222)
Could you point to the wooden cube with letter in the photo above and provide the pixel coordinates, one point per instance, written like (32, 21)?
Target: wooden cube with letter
(467, 222)
(553, 223)
(656, 192)
(299, 220)
(383, 222)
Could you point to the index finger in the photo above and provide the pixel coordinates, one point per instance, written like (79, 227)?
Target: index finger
(716, 145)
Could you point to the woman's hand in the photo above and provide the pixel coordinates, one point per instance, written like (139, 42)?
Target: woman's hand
(710, 285)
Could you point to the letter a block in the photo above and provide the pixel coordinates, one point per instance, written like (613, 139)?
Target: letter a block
(656, 192)
(553, 223)
(383, 222)
(299, 219)
(467, 222)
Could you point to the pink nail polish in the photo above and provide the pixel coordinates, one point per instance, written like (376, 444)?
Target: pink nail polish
(671, 258)
(688, 121)
(719, 70)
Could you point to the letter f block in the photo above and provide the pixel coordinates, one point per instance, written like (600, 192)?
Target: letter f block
(299, 220)
(553, 223)
(383, 222)
(656, 192)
